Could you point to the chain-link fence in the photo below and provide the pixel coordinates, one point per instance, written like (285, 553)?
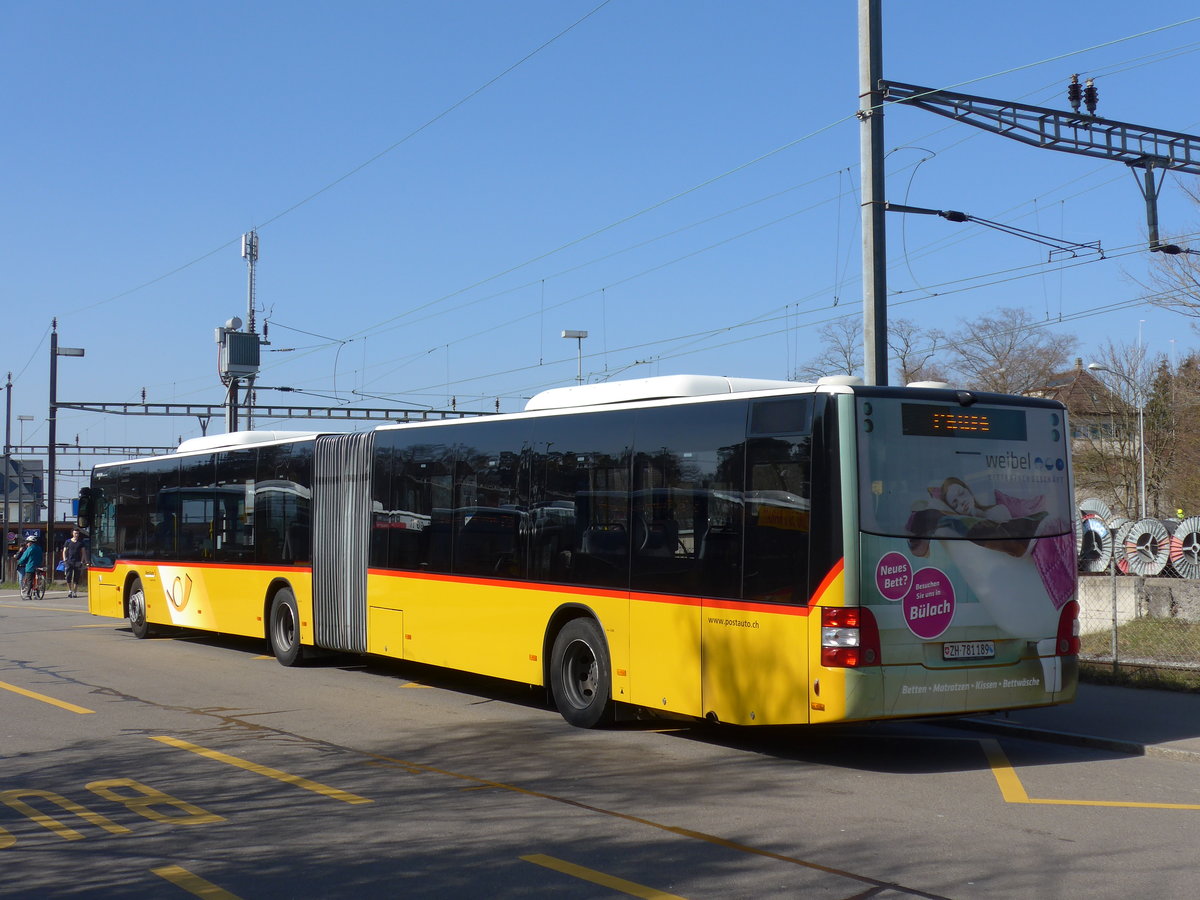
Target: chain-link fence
(1130, 622)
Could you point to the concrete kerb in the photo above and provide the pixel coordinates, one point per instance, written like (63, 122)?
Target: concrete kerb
(1114, 745)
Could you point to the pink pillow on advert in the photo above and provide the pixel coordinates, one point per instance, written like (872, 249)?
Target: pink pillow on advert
(1020, 506)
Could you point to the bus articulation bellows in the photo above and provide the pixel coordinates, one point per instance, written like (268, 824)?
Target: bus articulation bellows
(750, 552)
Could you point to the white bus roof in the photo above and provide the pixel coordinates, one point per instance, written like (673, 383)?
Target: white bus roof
(658, 388)
(240, 439)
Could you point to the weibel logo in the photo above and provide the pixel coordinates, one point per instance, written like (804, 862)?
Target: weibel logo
(1009, 460)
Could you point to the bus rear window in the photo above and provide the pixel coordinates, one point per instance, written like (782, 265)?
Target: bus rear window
(928, 467)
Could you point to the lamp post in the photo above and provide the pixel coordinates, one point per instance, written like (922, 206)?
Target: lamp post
(1140, 400)
(7, 459)
(55, 352)
(578, 337)
(21, 420)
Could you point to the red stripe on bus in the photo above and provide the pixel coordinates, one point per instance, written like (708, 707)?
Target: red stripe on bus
(240, 567)
(828, 579)
(500, 582)
(676, 599)
(786, 609)
(783, 609)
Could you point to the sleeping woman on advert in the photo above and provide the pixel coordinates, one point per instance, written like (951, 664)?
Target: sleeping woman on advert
(1009, 525)
(1016, 558)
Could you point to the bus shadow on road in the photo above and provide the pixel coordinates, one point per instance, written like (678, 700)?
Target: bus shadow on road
(914, 746)
(904, 747)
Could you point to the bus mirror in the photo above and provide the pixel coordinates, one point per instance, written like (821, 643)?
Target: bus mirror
(85, 507)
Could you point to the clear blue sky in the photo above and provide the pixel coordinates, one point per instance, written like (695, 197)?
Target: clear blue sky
(441, 188)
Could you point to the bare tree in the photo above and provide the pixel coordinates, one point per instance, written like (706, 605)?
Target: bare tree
(1174, 280)
(913, 350)
(1109, 412)
(1139, 398)
(841, 353)
(1009, 352)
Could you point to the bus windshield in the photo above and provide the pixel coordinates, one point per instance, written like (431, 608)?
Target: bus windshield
(974, 473)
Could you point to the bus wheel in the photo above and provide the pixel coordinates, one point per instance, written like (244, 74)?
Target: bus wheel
(580, 674)
(137, 610)
(284, 630)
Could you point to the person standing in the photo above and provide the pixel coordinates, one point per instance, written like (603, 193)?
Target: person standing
(75, 558)
(29, 561)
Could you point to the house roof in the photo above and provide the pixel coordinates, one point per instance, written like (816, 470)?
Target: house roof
(1081, 392)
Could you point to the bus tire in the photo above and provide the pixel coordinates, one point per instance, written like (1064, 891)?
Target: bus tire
(136, 605)
(581, 674)
(284, 629)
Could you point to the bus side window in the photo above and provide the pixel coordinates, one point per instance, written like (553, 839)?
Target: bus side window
(687, 519)
(281, 497)
(778, 507)
(133, 516)
(489, 523)
(412, 495)
(579, 521)
(233, 497)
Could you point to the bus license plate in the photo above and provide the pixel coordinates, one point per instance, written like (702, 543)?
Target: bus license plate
(969, 650)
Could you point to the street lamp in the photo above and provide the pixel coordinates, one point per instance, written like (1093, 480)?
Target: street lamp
(55, 352)
(578, 337)
(7, 461)
(23, 420)
(1140, 400)
(20, 515)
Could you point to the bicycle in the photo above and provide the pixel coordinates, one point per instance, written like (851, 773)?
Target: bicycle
(38, 587)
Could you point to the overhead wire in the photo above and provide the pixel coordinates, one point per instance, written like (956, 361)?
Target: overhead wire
(363, 165)
(618, 222)
(1013, 274)
(1109, 43)
(759, 159)
(644, 210)
(946, 288)
(340, 179)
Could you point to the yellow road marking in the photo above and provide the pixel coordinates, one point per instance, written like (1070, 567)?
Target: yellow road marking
(16, 800)
(24, 604)
(34, 695)
(631, 888)
(193, 884)
(414, 684)
(1013, 791)
(267, 771)
(422, 768)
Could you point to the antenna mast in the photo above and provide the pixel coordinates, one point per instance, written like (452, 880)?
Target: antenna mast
(250, 255)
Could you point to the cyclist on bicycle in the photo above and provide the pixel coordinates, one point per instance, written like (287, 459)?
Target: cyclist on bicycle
(28, 562)
(74, 557)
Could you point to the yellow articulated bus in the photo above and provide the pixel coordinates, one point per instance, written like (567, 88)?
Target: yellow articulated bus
(745, 551)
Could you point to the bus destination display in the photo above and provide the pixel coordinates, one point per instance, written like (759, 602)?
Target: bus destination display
(932, 420)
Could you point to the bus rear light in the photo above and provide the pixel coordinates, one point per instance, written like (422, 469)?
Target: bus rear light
(849, 637)
(1068, 630)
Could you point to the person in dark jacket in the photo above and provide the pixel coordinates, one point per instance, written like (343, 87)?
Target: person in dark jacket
(29, 561)
(74, 558)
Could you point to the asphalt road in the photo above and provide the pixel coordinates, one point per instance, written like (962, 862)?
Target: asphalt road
(194, 765)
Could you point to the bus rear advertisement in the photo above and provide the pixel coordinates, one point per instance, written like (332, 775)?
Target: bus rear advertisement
(744, 551)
